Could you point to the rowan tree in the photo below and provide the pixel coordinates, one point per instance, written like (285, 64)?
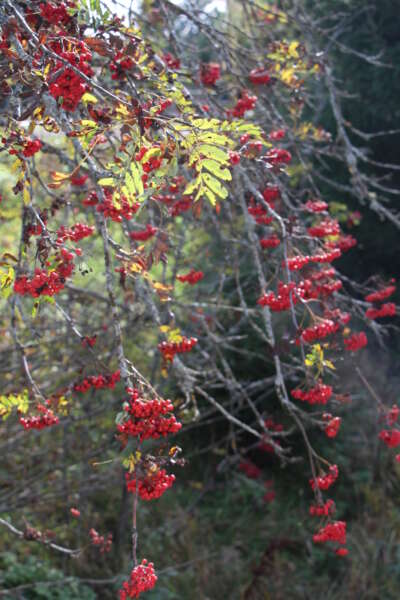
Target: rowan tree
(171, 255)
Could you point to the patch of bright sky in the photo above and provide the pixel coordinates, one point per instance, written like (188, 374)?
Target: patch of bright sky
(121, 7)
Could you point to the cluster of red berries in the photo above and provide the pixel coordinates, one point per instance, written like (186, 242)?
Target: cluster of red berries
(179, 207)
(154, 162)
(277, 135)
(325, 228)
(392, 415)
(391, 437)
(277, 156)
(176, 207)
(386, 310)
(234, 157)
(171, 61)
(79, 180)
(244, 103)
(326, 257)
(332, 425)
(296, 262)
(326, 273)
(148, 122)
(332, 532)
(69, 87)
(37, 229)
(192, 277)
(381, 295)
(115, 211)
(336, 314)
(77, 232)
(147, 418)
(355, 342)
(323, 510)
(152, 486)
(270, 194)
(259, 213)
(142, 579)
(89, 341)
(343, 243)
(270, 493)
(46, 418)
(210, 73)
(143, 236)
(120, 64)
(326, 289)
(169, 349)
(104, 544)
(324, 482)
(313, 291)
(249, 469)
(44, 283)
(282, 300)
(98, 382)
(259, 76)
(320, 394)
(30, 148)
(316, 206)
(270, 242)
(56, 14)
(319, 331)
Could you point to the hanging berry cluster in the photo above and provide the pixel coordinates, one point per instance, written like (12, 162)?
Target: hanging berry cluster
(147, 418)
(170, 349)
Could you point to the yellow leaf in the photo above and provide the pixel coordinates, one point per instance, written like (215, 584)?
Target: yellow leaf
(329, 364)
(211, 196)
(16, 164)
(191, 187)
(175, 336)
(215, 168)
(89, 123)
(137, 178)
(26, 196)
(156, 151)
(18, 401)
(57, 177)
(215, 185)
(106, 181)
(213, 152)
(86, 98)
(129, 184)
(292, 50)
(6, 281)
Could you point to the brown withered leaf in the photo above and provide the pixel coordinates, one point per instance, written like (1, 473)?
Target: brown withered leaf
(160, 247)
(196, 208)
(98, 45)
